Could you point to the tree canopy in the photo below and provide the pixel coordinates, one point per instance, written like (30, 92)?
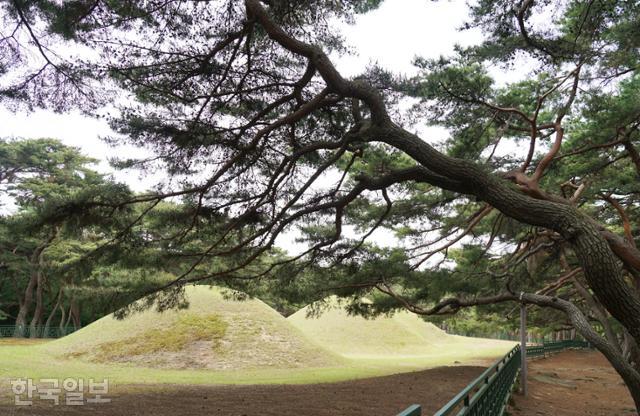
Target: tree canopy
(533, 198)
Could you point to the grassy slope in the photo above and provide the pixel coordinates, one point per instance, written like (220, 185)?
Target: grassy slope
(254, 336)
(402, 335)
(32, 360)
(360, 348)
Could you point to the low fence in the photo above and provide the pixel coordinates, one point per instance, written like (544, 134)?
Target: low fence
(28, 331)
(488, 394)
(534, 337)
(547, 348)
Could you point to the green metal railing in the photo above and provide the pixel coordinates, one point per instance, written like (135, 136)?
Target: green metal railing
(488, 394)
(536, 351)
(548, 348)
(28, 331)
(535, 338)
(413, 410)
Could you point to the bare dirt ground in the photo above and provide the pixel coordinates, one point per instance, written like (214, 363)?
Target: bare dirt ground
(573, 383)
(567, 384)
(384, 396)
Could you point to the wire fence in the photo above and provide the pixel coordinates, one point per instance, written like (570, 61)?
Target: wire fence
(38, 331)
(489, 394)
(532, 336)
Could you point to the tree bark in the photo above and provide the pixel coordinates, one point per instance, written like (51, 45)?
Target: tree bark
(630, 350)
(27, 300)
(36, 320)
(594, 306)
(69, 315)
(47, 324)
(598, 261)
(74, 313)
(599, 313)
(633, 153)
(63, 318)
(628, 373)
(594, 254)
(25, 307)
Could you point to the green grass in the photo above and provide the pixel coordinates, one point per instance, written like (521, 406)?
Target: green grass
(255, 336)
(402, 335)
(33, 361)
(218, 341)
(186, 330)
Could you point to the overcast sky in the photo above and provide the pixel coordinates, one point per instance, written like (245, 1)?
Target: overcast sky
(390, 36)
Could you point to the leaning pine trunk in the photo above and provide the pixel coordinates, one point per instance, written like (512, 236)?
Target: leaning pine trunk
(62, 320)
(47, 324)
(630, 349)
(69, 317)
(25, 307)
(36, 320)
(74, 313)
(34, 279)
(626, 370)
(598, 312)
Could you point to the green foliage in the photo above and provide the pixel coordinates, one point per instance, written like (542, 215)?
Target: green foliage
(65, 216)
(257, 146)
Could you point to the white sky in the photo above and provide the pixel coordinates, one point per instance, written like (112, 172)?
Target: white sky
(400, 30)
(411, 28)
(390, 36)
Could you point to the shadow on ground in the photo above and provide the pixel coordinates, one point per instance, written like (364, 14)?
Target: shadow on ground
(573, 383)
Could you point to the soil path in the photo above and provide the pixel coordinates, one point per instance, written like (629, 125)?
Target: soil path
(567, 384)
(573, 383)
(383, 396)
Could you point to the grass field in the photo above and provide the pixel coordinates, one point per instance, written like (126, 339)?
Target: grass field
(403, 335)
(33, 360)
(213, 333)
(230, 342)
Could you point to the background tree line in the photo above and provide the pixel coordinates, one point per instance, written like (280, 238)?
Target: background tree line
(533, 198)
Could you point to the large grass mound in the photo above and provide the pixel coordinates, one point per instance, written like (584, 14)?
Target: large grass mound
(401, 335)
(218, 341)
(212, 333)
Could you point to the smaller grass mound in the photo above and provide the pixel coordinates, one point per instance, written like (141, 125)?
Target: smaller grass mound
(188, 329)
(403, 335)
